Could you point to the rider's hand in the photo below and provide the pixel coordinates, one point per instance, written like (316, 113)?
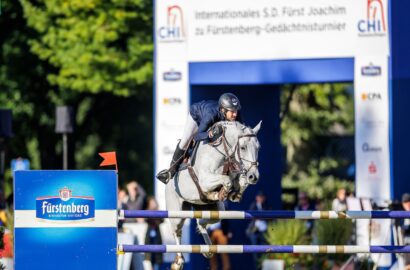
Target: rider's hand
(215, 132)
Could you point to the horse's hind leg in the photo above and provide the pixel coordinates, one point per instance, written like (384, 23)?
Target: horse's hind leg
(174, 203)
(203, 223)
(179, 260)
(202, 230)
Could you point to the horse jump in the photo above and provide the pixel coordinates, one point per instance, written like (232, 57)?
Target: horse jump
(304, 215)
(265, 214)
(262, 249)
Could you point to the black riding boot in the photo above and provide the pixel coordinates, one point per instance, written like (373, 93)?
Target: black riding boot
(165, 175)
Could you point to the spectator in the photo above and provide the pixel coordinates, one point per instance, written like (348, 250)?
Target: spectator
(304, 204)
(153, 236)
(258, 227)
(121, 205)
(339, 203)
(136, 199)
(122, 199)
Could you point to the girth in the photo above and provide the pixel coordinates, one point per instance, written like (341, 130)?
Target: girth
(194, 178)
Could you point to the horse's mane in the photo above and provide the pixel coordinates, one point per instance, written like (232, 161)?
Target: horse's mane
(239, 125)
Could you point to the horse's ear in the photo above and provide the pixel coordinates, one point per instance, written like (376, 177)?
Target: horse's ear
(257, 128)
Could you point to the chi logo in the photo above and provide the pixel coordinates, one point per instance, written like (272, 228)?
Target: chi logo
(174, 30)
(375, 22)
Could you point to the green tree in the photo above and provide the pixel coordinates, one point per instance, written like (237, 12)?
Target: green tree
(94, 45)
(315, 113)
(95, 56)
(25, 90)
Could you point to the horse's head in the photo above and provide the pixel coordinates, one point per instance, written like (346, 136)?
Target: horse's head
(248, 148)
(243, 147)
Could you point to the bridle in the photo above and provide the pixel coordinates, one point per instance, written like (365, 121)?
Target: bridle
(231, 164)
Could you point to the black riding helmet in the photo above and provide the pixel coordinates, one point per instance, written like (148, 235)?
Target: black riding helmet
(230, 102)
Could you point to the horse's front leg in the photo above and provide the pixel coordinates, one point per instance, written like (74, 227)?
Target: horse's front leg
(211, 181)
(236, 195)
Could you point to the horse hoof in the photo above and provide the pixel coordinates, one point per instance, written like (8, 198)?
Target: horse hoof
(235, 197)
(175, 266)
(178, 263)
(208, 255)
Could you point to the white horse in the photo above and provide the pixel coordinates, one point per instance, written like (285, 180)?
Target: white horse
(234, 154)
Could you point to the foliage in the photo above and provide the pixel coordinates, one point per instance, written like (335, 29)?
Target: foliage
(94, 45)
(314, 182)
(315, 112)
(332, 232)
(288, 232)
(93, 55)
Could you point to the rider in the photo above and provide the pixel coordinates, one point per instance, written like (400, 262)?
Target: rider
(201, 117)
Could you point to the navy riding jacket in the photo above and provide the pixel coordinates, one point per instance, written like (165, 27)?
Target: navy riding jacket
(206, 113)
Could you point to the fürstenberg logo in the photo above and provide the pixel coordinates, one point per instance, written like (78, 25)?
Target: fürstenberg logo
(65, 207)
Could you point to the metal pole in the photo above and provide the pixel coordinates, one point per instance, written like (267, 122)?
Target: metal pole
(65, 152)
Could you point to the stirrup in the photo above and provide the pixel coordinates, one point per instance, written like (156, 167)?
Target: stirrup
(164, 176)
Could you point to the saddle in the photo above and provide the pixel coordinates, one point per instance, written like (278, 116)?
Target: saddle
(190, 156)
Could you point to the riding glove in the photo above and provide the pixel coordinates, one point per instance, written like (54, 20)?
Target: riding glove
(215, 132)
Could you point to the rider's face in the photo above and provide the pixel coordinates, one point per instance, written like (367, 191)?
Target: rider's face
(231, 115)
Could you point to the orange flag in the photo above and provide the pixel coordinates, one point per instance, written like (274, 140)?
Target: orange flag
(110, 158)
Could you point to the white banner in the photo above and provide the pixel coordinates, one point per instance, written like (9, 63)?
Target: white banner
(372, 146)
(372, 127)
(234, 30)
(237, 30)
(171, 82)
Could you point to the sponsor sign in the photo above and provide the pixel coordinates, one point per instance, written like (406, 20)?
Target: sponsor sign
(171, 105)
(367, 148)
(371, 96)
(172, 101)
(372, 168)
(172, 76)
(65, 207)
(58, 214)
(372, 143)
(371, 70)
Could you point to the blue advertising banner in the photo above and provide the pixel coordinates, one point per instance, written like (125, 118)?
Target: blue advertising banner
(65, 220)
